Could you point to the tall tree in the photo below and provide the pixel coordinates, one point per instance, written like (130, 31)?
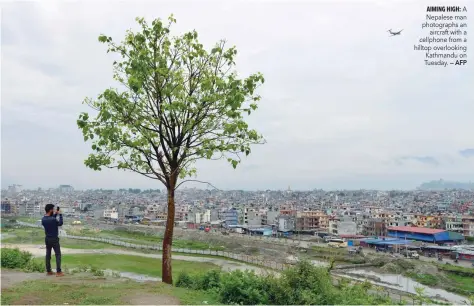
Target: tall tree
(178, 103)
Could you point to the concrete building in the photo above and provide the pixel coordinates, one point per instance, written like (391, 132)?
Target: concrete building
(270, 217)
(343, 226)
(111, 213)
(14, 188)
(311, 221)
(286, 223)
(7, 207)
(454, 224)
(375, 227)
(231, 217)
(252, 217)
(65, 188)
(468, 225)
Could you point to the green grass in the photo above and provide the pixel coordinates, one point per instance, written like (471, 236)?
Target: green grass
(90, 291)
(423, 278)
(142, 238)
(36, 236)
(462, 282)
(456, 269)
(134, 264)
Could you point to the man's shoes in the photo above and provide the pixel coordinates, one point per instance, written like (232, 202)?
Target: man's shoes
(50, 273)
(59, 274)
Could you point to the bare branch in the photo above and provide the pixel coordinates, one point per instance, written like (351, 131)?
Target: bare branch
(197, 181)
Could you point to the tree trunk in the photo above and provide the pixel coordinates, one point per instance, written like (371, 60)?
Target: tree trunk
(167, 276)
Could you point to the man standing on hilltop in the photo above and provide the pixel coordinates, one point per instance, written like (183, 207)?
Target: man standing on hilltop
(51, 229)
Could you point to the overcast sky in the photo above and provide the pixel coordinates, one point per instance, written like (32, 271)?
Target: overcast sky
(344, 105)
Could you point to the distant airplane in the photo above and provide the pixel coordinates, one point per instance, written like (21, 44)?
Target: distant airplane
(394, 33)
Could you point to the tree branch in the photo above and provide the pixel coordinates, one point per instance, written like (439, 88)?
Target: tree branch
(197, 181)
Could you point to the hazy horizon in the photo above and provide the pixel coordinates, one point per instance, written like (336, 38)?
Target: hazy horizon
(344, 105)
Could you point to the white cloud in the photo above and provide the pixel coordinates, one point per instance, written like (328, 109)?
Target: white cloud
(342, 100)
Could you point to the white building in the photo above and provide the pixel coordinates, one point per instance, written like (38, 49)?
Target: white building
(111, 213)
(286, 223)
(65, 188)
(343, 226)
(15, 188)
(206, 216)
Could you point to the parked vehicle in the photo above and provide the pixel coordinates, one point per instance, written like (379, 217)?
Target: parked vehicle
(410, 254)
(337, 243)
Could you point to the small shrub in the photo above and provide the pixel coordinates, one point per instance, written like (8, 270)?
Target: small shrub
(34, 266)
(15, 259)
(97, 272)
(200, 281)
(303, 284)
(184, 280)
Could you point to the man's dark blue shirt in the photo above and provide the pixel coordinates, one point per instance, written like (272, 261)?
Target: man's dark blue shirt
(51, 224)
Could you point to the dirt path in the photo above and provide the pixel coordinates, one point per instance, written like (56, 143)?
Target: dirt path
(226, 265)
(10, 277)
(150, 299)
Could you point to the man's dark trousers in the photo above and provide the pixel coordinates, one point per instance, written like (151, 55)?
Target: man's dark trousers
(53, 243)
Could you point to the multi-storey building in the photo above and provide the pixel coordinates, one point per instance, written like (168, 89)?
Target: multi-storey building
(311, 221)
(231, 217)
(375, 227)
(453, 224)
(7, 207)
(468, 225)
(286, 223)
(342, 226)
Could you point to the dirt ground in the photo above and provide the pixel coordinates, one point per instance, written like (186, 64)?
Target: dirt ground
(150, 299)
(11, 278)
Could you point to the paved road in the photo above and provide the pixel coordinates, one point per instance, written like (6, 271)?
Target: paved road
(227, 265)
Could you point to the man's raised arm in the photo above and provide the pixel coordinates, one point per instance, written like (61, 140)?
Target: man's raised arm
(60, 222)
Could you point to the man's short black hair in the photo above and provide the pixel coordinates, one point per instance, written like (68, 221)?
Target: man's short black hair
(49, 207)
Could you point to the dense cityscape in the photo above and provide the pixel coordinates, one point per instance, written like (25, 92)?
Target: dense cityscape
(343, 212)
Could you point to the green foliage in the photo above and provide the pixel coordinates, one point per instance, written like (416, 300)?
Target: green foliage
(16, 259)
(96, 271)
(200, 281)
(179, 102)
(459, 270)
(34, 266)
(423, 278)
(303, 284)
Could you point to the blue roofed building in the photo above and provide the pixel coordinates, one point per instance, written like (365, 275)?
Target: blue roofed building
(424, 234)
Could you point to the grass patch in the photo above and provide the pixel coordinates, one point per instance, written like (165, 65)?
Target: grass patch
(36, 236)
(134, 264)
(423, 278)
(464, 271)
(137, 237)
(95, 292)
(462, 282)
(143, 238)
(329, 250)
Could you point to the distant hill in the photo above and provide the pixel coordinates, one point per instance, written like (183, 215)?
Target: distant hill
(442, 185)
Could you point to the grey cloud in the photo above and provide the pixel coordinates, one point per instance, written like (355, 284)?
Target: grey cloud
(467, 153)
(339, 104)
(428, 160)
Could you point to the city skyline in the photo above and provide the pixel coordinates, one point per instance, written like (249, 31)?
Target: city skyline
(212, 187)
(341, 107)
